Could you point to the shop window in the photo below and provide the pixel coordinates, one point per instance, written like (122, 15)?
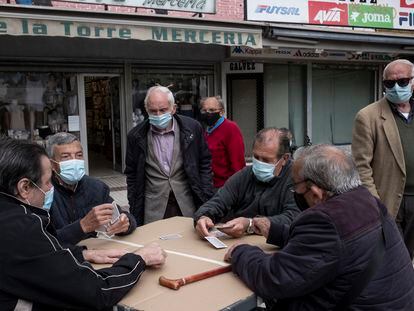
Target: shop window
(188, 89)
(338, 94)
(34, 105)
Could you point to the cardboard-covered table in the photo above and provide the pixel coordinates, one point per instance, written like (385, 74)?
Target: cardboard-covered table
(188, 254)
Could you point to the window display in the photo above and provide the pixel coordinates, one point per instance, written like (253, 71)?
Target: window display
(34, 105)
(188, 89)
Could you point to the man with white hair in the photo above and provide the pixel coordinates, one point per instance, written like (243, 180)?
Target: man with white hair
(343, 252)
(168, 164)
(383, 147)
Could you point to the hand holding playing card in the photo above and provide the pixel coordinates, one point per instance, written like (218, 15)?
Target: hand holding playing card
(120, 226)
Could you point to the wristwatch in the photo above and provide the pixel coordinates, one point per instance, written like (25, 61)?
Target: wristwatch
(249, 229)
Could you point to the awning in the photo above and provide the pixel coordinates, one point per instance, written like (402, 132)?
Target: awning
(51, 22)
(330, 38)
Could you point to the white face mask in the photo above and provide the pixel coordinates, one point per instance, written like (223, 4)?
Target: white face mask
(72, 171)
(48, 200)
(264, 171)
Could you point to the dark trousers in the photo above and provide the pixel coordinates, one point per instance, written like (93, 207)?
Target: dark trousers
(173, 209)
(405, 222)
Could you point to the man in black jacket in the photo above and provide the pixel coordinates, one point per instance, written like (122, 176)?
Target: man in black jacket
(81, 204)
(168, 165)
(261, 189)
(37, 273)
(343, 252)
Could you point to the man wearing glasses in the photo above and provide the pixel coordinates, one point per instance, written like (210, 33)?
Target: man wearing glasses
(383, 147)
(224, 140)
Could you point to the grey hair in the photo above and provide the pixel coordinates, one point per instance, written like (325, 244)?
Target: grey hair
(217, 97)
(397, 61)
(330, 168)
(58, 139)
(161, 89)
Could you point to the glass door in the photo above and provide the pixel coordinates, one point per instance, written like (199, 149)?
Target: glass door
(102, 119)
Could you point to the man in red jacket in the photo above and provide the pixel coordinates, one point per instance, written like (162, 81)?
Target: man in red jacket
(224, 139)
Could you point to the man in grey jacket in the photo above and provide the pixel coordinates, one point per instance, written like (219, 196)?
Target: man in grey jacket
(258, 190)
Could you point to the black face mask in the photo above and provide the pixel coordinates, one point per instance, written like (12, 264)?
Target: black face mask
(210, 118)
(301, 201)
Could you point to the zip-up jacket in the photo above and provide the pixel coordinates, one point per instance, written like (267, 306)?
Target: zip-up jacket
(243, 195)
(69, 207)
(324, 252)
(37, 273)
(196, 159)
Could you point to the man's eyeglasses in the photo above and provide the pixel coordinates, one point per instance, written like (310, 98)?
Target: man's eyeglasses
(210, 110)
(389, 84)
(293, 188)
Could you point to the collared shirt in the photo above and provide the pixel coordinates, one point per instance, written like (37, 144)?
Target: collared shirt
(210, 129)
(397, 113)
(163, 141)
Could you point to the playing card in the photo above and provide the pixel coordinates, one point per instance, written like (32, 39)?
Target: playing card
(173, 236)
(215, 242)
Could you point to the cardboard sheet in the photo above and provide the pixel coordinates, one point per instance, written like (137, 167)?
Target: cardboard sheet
(195, 255)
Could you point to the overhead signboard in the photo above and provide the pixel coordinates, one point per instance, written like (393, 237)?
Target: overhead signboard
(308, 54)
(243, 67)
(391, 14)
(145, 31)
(199, 6)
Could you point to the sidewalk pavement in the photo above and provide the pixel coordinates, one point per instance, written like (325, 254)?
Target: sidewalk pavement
(117, 185)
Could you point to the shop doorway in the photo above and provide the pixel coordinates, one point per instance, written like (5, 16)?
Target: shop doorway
(103, 125)
(245, 105)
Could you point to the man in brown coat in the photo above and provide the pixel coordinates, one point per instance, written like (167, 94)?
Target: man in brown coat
(383, 147)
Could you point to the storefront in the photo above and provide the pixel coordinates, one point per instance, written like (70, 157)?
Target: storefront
(87, 73)
(322, 62)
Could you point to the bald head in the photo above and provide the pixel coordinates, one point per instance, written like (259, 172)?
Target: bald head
(397, 69)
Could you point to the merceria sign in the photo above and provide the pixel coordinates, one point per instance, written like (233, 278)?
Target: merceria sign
(200, 6)
(73, 29)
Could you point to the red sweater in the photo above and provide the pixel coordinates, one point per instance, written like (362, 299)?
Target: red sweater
(227, 150)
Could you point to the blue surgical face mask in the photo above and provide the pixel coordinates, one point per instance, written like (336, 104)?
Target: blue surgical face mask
(160, 121)
(71, 171)
(399, 94)
(47, 203)
(264, 171)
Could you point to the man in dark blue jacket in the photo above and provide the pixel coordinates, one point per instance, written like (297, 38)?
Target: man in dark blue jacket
(343, 252)
(81, 204)
(168, 164)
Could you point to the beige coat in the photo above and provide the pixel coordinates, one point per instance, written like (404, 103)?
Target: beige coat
(378, 153)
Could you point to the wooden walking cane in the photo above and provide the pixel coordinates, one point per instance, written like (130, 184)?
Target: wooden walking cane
(177, 283)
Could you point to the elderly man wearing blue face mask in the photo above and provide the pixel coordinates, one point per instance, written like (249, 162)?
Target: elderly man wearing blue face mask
(383, 147)
(168, 164)
(81, 204)
(258, 190)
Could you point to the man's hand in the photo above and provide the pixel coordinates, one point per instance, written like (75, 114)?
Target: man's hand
(103, 255)
(227, 256)
(203, 225)
(122, 225)
(153, 255)
(239, 227)
(261, 226)
(99, 215)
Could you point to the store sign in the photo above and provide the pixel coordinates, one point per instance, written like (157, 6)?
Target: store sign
(76, 29)
(370, 16)
(309, 54)
(391, 14)
(243, 67)
(200, 6)
(277, 10)
(325, 13)
(407, 3)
